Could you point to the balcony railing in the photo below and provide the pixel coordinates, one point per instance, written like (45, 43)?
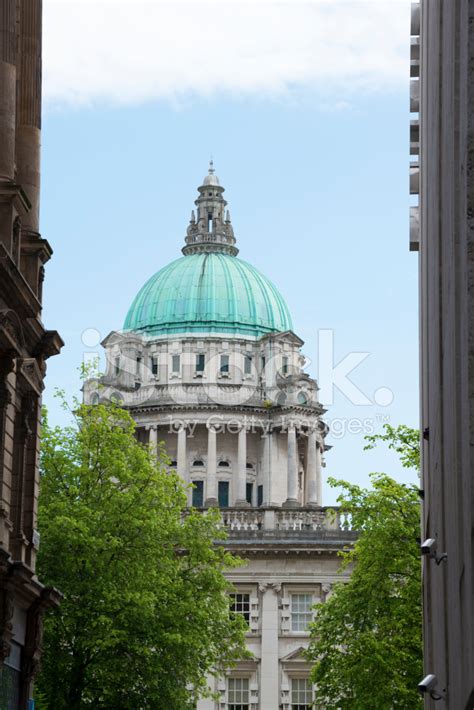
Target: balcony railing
(284, 520)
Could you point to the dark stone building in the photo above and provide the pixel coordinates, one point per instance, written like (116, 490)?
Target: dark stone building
(442, 229)
(24, 347)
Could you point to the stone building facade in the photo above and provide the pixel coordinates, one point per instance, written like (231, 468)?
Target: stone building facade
(442, 174)
(208, 363)
(25, 345)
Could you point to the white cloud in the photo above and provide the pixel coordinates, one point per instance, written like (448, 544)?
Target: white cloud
(129, 51)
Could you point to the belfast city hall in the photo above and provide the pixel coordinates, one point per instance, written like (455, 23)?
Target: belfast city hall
(208, 363)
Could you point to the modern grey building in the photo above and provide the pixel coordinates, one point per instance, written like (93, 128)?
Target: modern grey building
(442, 174)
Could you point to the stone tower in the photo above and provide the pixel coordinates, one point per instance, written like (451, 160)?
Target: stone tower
(208, 363)
(24, 347)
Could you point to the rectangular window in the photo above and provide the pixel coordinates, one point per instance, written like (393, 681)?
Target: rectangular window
(175, 363)
(260, 496)
(117, 365)
(154, 365)
(224, 363)
(263, 362)
(284, 366)
(249, 493)
(238, 694)
(301, 614)
(198, 494)
(240, 604)
(223, 494)
(301, 694)
(200, 362)
(139, 366)
(247, 365)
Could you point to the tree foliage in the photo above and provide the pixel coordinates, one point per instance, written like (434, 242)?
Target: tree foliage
(145, 615)
(366, 639)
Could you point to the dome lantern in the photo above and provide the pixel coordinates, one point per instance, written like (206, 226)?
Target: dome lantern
(212, 230)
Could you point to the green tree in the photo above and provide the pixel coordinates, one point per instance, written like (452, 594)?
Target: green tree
(145, 615)
(366, 639)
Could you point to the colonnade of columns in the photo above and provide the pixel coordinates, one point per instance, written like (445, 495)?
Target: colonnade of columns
(313, 493)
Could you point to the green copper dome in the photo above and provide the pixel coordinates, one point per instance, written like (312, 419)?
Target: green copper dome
(211, 292)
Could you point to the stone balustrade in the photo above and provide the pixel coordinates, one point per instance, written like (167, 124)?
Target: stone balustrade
(249, 519)
(274, 520)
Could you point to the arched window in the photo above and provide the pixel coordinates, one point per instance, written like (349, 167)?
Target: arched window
(224, 464)
(198, 462)
(302, 398)
(250, 466)
(95, 398)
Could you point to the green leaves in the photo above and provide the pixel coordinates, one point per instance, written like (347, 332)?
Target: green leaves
(366, 639)
(145, 615)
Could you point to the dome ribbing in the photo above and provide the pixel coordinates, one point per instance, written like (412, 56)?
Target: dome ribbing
(208, 293)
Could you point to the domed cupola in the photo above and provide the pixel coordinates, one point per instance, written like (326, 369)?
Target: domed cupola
(209, 290)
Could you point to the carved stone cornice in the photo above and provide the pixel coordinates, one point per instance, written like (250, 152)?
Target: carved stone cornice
(269, 586)
(49, 345)
(12, 335)
(12, 193)
(28, 369)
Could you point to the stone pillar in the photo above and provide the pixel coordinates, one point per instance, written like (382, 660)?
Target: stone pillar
(269, 675)
(267, 467)
(241, 495)
(211, 499)
(8, 78)
(319, 479)
(28, 118)
(153, 439)
(181, 463)
(292, 499)
(312, 471)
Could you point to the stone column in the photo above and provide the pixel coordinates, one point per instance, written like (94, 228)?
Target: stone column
(292, 499)
(211, 499)
(269, 675)
(241, 495)
(267, 467)
(181, 464)
(312, 471)
(28, 119)
(8, 78)
(319, 479)
(153, 439)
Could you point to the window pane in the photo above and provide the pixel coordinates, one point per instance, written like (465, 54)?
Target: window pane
(175, 361)
(198, 494)
(154, 365)
(240, 604)
(248, 365)
(223, 494)
(224, 363)
(301, 694)
(259, 496)
(301, 614)
(238, 695)
(200, 361)
(249, 493)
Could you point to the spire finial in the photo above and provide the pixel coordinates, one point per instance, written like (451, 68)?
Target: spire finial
(211, 167)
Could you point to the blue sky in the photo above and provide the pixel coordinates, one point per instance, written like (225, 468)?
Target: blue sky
(316, 175)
